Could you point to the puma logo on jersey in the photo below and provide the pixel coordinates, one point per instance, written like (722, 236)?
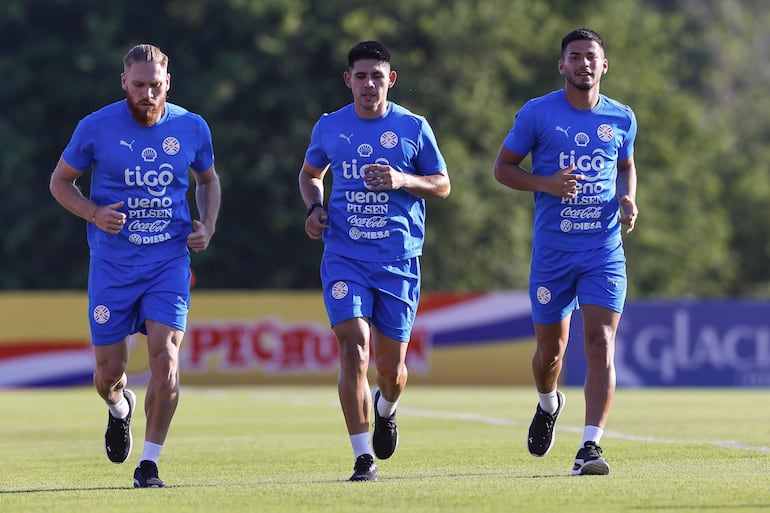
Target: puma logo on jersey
(565, 131)
(346, 137)
(130, 146)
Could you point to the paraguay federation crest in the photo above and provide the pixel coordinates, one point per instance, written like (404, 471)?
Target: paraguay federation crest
(170, 145)
(339, 290)
(605, 132)
(543, 295)
(389, 139)
(101, 314)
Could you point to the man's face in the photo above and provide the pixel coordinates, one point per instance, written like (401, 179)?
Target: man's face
(369, 80)
(583, 64)
(146, 85)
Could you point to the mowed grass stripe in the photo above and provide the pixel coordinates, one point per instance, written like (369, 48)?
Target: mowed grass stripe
(462, 449)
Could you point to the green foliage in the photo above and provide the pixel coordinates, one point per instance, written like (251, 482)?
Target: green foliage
(262, 73)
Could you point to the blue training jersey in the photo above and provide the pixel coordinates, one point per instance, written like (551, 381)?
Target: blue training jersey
(375, 226)
(147, 168)
(558, 135)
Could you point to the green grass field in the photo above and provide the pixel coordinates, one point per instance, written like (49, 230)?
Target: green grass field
(277, 449)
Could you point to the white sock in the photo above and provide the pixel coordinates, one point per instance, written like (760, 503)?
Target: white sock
(592, 434)
(384, 407)
(120, 409)
(549, 402)
(360, 443)
(151, 452)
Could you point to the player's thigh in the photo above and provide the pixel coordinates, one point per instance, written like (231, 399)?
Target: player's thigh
(602, 280)
(167, 295)
(552, 285)
(113, 302)
(396, 299)
(345, 291)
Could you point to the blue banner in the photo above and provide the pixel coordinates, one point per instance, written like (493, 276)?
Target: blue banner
(687, 343)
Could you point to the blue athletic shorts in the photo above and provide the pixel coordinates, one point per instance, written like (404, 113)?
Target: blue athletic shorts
(121, 297)
(562, 280)
(386, 293)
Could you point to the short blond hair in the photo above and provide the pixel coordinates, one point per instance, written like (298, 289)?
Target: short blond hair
(145, 53)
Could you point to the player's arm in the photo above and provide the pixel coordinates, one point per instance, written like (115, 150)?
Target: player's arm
(425, 186)
(626, 189)
(381, 177)
(67, 193)
(63, 187)
(508, 171)
(208, 196)
(311, 188)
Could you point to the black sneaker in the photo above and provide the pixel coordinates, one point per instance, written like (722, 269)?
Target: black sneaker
(146, 475)
(385, 436)
(541, 430)
(117, 438)
(365, 469)
(589, 461)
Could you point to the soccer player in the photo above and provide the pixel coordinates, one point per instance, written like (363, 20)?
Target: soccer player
(584, 182)
(140, 152)
(385, 162)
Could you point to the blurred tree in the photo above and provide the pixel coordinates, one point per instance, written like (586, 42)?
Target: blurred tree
(262, 72)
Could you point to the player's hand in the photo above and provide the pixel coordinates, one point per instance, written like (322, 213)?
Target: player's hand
(564, 183)
(199, 238)
(379, 177)
(628, 212)
(316, 223)
(108, 219)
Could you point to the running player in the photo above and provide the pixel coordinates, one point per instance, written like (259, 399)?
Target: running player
(140, 152)
(584, 182)
(385, 162)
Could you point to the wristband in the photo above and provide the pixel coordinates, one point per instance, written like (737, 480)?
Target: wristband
(313, 207)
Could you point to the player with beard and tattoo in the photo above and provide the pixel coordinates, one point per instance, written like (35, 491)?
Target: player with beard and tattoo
(140, 152)
(584, 182)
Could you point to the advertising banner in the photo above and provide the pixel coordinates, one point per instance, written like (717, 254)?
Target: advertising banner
(270, 338)
(697, 343)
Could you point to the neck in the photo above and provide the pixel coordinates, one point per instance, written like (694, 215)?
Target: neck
(376, 112)
(580, 99)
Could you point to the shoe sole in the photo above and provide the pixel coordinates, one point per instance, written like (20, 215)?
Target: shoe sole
(562, 402)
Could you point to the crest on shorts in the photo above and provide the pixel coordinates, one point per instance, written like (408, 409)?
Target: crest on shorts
(101, 314)
(543, 295)
(339, 290)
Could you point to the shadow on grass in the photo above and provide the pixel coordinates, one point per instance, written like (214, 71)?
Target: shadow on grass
(86, 489)
(729, 507)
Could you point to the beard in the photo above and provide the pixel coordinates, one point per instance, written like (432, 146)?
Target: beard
(144, 113)
(581, 85)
